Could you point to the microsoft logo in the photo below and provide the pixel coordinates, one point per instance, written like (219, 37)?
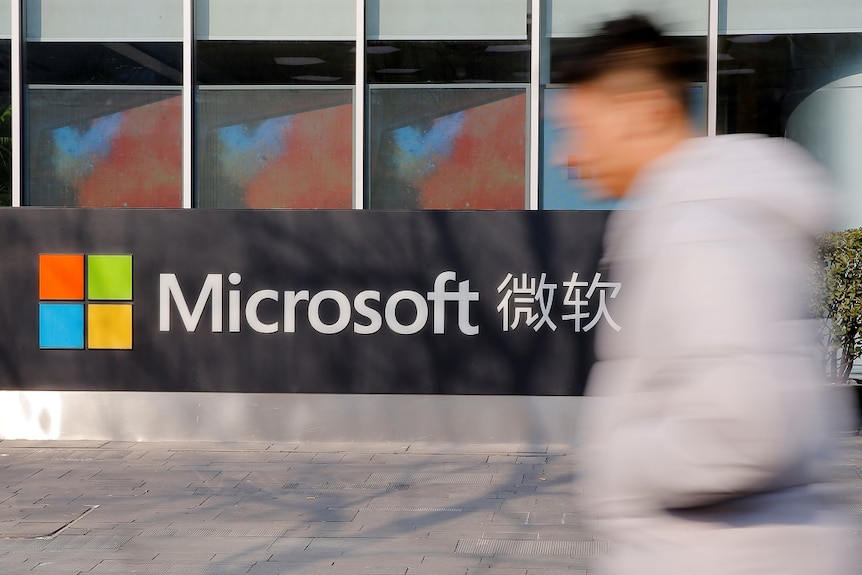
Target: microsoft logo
(79, 299)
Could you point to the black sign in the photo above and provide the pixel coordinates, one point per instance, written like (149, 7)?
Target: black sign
(301, 301)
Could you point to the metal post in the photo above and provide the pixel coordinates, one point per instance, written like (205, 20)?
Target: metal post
(535, 126)
(359, 111)
(712, 70)
(188, 101)
(19, 37)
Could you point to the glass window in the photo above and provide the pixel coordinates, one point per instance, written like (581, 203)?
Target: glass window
(794, 71)
(275, 62)
(104, 121)
(448, 106)
(567, 21)
(105, 63)
(5, 103)
(275, 103)
(448, 61)
(448, 148)
(266, 148)
(105, 148)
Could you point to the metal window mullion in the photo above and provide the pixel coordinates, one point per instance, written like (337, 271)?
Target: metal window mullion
(188, 102)
(359, 92)
(712, 69)
(535, 127)
(17, 71)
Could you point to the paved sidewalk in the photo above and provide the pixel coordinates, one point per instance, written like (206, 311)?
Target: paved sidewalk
(263, 509)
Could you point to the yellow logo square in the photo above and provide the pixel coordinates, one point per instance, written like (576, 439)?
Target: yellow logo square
(109, 326)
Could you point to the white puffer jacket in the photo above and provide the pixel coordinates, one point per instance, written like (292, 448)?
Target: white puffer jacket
(709, 434)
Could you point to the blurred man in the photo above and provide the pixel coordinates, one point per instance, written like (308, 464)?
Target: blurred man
(708, 451)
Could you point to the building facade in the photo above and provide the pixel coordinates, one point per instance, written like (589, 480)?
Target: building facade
(404, 105)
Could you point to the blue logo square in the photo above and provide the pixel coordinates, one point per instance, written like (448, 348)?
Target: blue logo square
(61, 326)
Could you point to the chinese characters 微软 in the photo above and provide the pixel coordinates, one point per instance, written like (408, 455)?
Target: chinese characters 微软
(530, 299)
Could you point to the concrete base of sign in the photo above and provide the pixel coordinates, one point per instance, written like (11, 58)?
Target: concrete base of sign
(152, 416)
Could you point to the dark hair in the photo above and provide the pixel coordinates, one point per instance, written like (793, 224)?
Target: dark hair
(630, 42)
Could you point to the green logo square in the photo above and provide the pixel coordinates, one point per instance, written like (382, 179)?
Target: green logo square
(109, 277)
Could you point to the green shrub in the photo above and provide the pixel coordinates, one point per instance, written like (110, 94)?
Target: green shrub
(837, 273)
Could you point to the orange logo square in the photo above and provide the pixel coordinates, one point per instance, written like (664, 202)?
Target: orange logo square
(61, 276)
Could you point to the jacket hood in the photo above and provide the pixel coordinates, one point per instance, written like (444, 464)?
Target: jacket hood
(778, 176)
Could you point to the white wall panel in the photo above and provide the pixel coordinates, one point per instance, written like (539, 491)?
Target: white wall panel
(148, 416)
(787, 16)
(5, 19)
(446, 19)
(572, 18)
(105, 20)
(275, 19)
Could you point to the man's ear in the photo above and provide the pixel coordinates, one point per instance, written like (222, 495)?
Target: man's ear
(648, 112)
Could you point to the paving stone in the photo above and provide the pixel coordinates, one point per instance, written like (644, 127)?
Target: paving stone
(485, 449)
(290, 568)
(436, 570)
(322, 529)
(339, 569)
(193, 557)
(544, 518)
(553, 571)
(496, 571)
(534, 563)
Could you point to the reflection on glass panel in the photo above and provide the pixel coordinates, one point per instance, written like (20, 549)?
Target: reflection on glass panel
(5, 123)
(829, 124)
(447, 62)
(805, 87)
(105, 148)
(448, 148)
(763, 78)
(105, 63)
(447, 42)
(275, 63)
(6, 155)
(561, 46)
(795, 71)
(275, 148)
